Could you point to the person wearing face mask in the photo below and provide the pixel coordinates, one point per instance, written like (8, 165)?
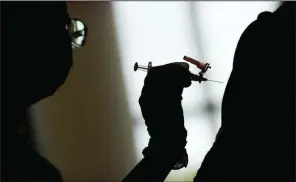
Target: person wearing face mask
(36, 59)
(36, 56)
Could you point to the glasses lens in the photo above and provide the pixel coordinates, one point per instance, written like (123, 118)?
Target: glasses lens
(78, 32)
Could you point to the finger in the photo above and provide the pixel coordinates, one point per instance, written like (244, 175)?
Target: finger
(181, 74)
(185, 65)
(170, 74)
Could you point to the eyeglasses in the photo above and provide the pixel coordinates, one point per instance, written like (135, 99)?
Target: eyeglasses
(78, 32)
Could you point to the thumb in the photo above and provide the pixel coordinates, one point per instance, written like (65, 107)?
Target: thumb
(185, 65)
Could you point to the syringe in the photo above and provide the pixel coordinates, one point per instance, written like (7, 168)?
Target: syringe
(193, 77)
(143, 68)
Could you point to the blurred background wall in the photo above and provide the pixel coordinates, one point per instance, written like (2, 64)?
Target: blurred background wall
(85, 128)
(92, 128)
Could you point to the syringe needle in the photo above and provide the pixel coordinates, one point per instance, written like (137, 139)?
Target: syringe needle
(214, 81)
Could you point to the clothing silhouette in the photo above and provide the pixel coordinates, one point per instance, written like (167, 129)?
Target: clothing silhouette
(256, 138)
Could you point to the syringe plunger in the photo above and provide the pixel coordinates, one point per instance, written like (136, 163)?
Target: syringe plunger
(142, 68)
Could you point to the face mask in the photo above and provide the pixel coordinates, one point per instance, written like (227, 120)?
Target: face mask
(57, 64)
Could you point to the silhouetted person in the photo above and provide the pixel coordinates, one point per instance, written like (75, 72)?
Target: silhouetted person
(256, 139)
(36, 55)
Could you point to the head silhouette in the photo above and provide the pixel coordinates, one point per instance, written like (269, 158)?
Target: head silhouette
(37, 50)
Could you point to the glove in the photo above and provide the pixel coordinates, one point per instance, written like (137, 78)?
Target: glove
(161, 108)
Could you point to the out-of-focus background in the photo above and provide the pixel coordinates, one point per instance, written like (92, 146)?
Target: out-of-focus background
(92, 128)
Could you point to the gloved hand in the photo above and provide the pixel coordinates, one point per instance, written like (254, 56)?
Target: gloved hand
(162, 110)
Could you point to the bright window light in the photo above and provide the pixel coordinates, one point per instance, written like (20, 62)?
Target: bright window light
(163, 32)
